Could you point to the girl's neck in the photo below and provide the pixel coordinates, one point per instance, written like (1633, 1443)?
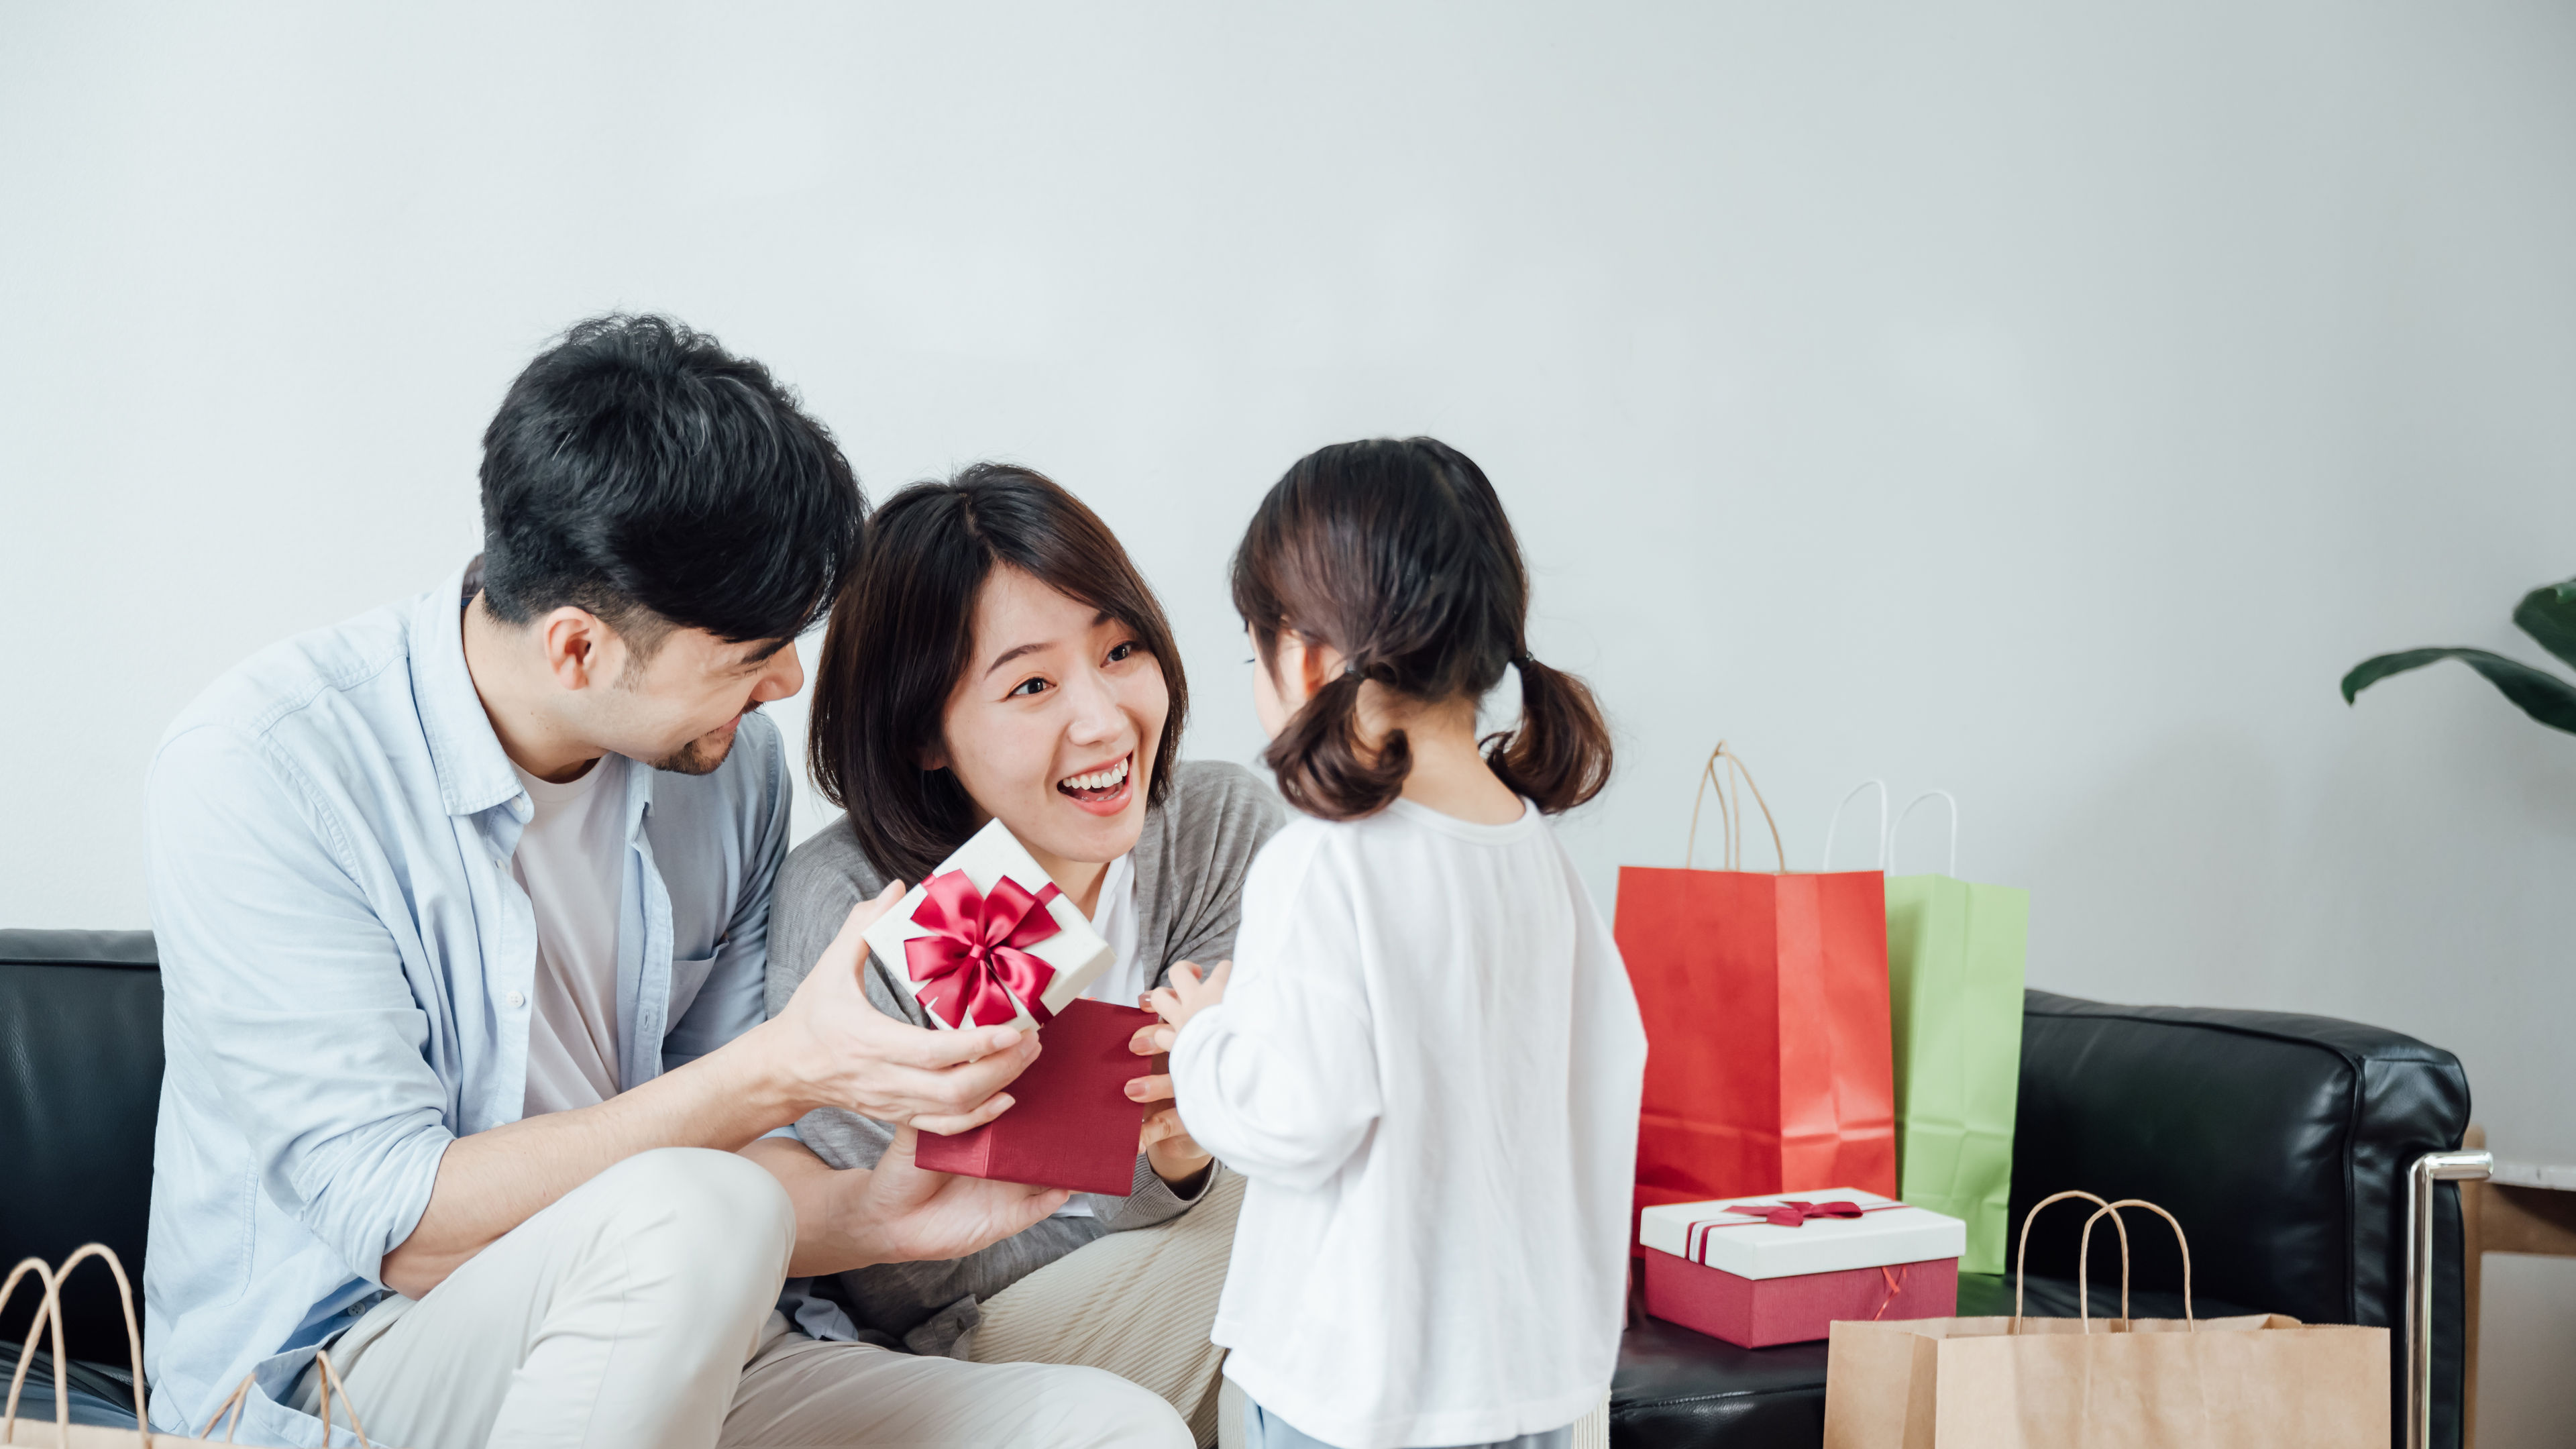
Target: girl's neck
(1449, 774)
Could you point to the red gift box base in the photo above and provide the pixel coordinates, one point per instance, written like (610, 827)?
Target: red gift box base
(1070, 1123)
(1759, 1312)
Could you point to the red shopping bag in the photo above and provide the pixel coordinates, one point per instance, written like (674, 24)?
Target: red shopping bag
(1765, 998)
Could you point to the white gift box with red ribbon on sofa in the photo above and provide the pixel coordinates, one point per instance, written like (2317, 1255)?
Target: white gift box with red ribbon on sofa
(1781, 1267)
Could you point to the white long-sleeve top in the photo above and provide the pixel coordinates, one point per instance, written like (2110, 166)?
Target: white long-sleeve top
(1427, 1065)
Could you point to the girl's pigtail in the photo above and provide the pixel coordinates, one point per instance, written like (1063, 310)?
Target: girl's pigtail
(1560, 755)
(1323, 765)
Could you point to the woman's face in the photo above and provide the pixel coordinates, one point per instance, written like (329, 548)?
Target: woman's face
(1053, 728)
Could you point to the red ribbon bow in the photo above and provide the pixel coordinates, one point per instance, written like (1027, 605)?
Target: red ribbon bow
(1792, 1213)
(1787, 1213)
(975, 958)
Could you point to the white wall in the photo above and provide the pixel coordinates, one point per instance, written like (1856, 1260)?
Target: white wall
(2043, 402)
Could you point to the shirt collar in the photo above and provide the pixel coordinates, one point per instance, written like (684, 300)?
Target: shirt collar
(474, 772)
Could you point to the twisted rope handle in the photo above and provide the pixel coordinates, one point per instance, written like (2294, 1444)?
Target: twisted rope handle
(1835, 824)
(1730, 815)
(240, 1400)
(1887, 851)
(2021, 1256)
(50, 1313)
(2084, 1299)
(27, 1353)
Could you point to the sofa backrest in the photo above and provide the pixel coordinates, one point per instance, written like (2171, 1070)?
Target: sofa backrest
(80, 1087)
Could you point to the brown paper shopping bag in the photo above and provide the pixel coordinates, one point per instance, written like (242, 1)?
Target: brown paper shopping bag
(2004, 1383)
(62, 1433)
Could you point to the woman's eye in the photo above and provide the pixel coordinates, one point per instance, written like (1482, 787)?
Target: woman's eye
(1031, 685)
(1122, 651)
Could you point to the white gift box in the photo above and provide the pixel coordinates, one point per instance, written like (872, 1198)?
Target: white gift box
(1886, 1232)
(983, 958)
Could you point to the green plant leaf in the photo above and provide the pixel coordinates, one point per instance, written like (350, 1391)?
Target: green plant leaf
(2543, 696)
(2548, 614)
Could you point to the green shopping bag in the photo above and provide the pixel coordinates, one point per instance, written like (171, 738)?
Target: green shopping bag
(1955, 953)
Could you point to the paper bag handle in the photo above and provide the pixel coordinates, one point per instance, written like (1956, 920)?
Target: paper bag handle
(1887, 851)
(2021, 1257)
(1827, 863)
(240, 1400)
(49, 1313)
(2084, 1300)
(1730, 813)
(27, 1353)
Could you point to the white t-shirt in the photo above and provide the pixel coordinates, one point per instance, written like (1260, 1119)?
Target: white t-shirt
(1114, 917)
(1428, 1066)
(572, 861)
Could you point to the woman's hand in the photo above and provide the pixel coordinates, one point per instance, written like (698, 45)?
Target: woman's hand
(1177, 1158)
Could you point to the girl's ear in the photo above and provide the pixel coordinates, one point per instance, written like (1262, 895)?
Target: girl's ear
(934, 757)
(1317, 666)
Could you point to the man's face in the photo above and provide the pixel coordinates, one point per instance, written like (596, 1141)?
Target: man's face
(678, 710)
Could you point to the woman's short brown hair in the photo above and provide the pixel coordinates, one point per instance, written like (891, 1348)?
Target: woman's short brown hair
(903, 634)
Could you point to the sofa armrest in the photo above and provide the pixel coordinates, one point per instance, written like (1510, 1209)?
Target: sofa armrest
(2282, 1142)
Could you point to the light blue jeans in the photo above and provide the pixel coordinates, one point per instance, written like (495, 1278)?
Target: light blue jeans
(1265, 1430)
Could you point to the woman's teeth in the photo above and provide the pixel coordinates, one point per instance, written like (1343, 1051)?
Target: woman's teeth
(1110, 778)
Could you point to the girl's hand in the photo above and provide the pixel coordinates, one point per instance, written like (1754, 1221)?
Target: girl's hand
(1177, 1157)
(1188, 994)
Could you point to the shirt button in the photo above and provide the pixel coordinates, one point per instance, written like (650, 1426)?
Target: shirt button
(518, 999)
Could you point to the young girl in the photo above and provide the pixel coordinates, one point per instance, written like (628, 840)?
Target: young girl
(1425, 1058)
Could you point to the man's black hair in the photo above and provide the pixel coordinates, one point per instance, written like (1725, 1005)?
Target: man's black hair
(640, 471)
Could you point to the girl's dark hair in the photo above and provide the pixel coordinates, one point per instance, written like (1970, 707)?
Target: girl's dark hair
(903, 634)
(1397, 555)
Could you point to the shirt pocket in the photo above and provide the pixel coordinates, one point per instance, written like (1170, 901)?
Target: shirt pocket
(688, 974)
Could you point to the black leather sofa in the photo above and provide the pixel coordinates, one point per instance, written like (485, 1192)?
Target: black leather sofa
(2281, 1142)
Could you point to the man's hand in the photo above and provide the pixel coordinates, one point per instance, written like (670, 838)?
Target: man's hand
(1176, 1156)
(842, 1052)
(829, 1048)
(895, 1212)
(924, 1215)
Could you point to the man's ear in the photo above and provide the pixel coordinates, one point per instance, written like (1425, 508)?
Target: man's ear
(579, 649)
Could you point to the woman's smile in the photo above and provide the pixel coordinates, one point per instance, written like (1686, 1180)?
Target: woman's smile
(1104, 790)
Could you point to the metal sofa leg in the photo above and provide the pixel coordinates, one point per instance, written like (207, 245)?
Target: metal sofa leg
(2430, 1168)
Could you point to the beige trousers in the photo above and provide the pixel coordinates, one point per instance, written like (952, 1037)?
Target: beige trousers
(1139, 1304)
(639, 1312)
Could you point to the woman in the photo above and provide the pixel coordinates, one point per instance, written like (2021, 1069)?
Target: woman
(997, 656)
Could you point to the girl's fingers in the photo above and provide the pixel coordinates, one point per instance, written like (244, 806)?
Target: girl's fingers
(1150, 1089)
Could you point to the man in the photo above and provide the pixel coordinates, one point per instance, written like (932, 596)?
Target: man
(462, 908)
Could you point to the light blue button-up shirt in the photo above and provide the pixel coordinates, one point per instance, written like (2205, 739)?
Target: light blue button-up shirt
(349, 968)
